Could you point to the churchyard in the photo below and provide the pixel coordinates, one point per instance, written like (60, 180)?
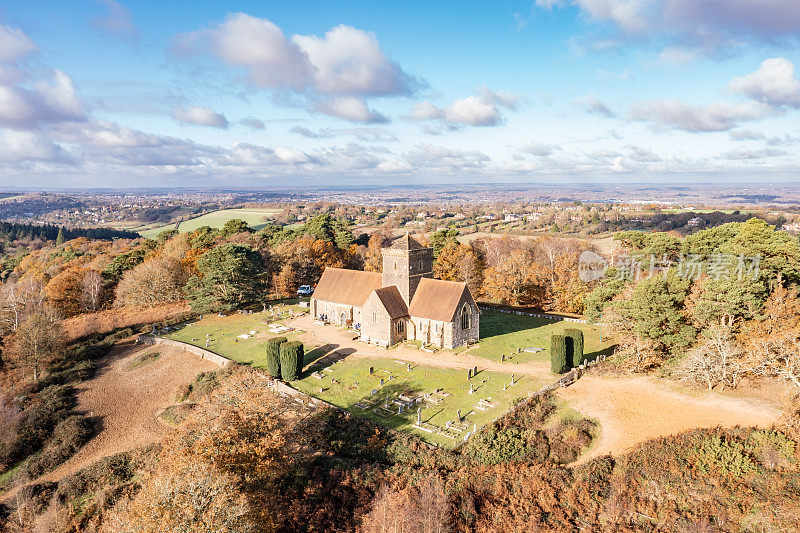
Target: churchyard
(520, 339)
(397, 394)
(432, 402)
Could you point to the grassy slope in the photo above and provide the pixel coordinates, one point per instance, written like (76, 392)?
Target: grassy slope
(255, 218)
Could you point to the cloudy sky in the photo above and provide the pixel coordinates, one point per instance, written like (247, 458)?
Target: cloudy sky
(107, 93)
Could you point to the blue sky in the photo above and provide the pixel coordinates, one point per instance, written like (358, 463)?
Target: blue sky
(122, 93)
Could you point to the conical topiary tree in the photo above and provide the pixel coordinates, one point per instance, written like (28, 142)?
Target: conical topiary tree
(274, 356)
(576, 357)
(291, 360)
(558, 354)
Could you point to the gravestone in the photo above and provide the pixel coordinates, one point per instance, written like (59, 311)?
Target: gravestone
(371, 370)
(381, 383)
(419, 416)
(471, 388)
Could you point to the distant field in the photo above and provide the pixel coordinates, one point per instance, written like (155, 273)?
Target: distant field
(505, 333)
(255, 218)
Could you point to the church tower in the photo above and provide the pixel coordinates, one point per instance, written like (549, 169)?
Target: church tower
(405, 262)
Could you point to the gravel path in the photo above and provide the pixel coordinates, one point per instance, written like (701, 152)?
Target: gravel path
(128, 400)
(636, 409)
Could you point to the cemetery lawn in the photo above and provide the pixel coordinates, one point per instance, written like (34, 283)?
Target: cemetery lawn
(420, 379)
(223, 334)
(505, 333)
(255, 218)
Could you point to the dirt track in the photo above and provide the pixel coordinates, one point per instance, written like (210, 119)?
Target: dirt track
(633, 410)
(127, 401)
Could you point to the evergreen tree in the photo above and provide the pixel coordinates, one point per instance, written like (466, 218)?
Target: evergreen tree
(291, 360)
(558, 354)
(230, 275)
(274, 356)
(60, 239)
(575, 353)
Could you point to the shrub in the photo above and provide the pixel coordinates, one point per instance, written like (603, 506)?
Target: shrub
(274, 356)
(724, 456)
(575, 356)
(291, 360)
(558, 354)
(68, 437)
(511, 444)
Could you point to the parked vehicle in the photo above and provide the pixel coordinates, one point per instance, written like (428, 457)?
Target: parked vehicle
(305, 290)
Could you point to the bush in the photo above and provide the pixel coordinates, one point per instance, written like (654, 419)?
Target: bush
(291, 360)
(575, 356)
(558, 354)
(68, 437)
(511, 444)
(274, 356)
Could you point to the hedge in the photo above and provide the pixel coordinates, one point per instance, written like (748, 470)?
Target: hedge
(575, 356)
(558, 354)
(274, 356)
(291, 360)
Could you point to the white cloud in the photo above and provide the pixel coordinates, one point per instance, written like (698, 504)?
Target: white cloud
(23, 147)
(29, 108)
(200, 116)
(481, 109)
(773, 83)
(253, 123)
(747, 153)
(538, 149)
(702, 25)
(335, 72)
(117, 20)
(595, 107)
(349, 108)
(14, 45)
(746, 135)
(720, 116)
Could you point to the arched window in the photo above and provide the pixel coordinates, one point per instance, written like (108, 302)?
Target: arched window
(465, 317)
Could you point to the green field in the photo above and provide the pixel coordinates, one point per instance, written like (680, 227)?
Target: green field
(505, 333)
(255, 218)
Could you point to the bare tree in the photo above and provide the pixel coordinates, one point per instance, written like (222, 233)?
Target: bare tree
(38, 339)
(92, 290)
(717, 360)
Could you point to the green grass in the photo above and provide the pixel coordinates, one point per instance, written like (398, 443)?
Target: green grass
(423, 379)
(223, 335)
(505, 333)
(255, 218)
(143, 359)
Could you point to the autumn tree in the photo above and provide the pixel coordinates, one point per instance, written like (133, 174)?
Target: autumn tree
(154, 282)
(38, 339)
(286, 280)
(65, 291)
(772, 341)
(93, 290)
(517, 280)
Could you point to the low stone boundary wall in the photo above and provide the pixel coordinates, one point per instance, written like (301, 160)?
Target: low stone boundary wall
(537, 315)
(191, 348)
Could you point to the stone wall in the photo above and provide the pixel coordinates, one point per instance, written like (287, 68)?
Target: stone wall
(200, 352)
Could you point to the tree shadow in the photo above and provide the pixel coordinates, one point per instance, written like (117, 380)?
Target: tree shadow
(322, 357)
(608, 352)
(495, 323)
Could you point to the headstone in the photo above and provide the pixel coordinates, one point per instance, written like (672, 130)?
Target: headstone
(399, 409)
(459, 415)
(512, 380)
(503, 358)
(469, 374)
(471, 388)
(419, 416)
(381, 383)
(519, 350)
(504, 386)
(475, 371)
(371, 370)
(408, 367)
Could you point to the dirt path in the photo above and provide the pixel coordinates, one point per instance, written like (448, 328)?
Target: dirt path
(633, 410)
(343, 340)
(127, 401)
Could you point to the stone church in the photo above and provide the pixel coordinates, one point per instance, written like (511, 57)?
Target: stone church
(402, 303)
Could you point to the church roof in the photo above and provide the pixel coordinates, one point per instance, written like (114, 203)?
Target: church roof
(392, 301)
(345, 286)
(436, 299)
(406, 242)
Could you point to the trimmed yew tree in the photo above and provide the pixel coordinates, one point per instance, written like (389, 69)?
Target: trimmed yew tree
(291, 360)
(575, 358)
(274, 356)
(558, 354)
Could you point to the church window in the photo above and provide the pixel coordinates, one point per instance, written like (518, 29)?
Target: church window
(465, 317)
(374, 316)
(395, 265)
